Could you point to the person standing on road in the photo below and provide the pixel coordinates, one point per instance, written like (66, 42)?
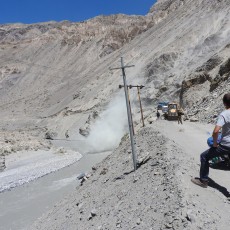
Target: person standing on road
(180, 113)
(67, 134)
(216, 150)
(158, 115)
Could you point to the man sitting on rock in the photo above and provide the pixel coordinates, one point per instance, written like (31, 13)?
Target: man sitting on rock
(216, 150)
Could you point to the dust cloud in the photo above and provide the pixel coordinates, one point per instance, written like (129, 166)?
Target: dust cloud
(108, 130)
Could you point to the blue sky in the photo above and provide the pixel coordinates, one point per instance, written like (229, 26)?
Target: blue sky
(32, 11)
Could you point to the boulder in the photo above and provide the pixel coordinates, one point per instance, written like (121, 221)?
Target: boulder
(50, 135)
(194, 119)
(85, 130)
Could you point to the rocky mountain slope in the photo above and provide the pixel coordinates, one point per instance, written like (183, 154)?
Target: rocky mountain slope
(54, 75)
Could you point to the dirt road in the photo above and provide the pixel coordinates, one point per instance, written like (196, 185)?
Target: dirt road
(191, 138)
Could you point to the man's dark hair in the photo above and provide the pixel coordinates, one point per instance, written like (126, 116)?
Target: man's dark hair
(226, 99)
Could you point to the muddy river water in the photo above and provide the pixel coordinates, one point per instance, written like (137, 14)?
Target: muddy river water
(21, 206)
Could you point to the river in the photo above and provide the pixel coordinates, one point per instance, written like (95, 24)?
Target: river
(21, 206)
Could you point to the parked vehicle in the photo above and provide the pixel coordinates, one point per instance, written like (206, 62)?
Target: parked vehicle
(172, 113)
(161, 105)
(164, 109)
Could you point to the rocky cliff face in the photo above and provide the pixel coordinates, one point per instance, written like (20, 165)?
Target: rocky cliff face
(163, 8)
(53, 74)
(36, 58)
(109, 32)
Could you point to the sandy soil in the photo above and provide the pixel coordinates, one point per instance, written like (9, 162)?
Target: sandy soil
(158, 196)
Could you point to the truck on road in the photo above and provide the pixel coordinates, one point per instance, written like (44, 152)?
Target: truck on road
(172, 113)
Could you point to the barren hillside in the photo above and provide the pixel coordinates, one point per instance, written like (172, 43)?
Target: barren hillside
(54, 75)
(63, 67)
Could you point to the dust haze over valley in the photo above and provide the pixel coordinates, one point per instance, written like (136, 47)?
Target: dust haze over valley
(55, 78)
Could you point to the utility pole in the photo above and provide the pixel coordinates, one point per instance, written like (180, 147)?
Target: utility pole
(128, 87)
(123, 67)
(139, 98)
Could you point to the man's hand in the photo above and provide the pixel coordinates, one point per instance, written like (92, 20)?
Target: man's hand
(215, 135)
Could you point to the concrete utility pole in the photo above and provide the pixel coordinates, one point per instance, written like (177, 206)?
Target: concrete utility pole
(139, 98)
(120, 86)
(123, 67)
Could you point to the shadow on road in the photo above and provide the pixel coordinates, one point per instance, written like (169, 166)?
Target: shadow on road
(222, 189)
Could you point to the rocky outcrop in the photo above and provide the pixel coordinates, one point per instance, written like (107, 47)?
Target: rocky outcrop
(109, 32)
(50, 135)
(193, 89)
(163, 8)
(212, 63)
(225, 68)
(161, 64)
(196, 80)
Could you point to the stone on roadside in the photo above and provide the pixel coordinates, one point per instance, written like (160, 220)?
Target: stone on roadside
(138, 221)
(93, 212)
(85, 130)
(151, 120)
(89, 217)
(50, 135)
(168, 226)
(190, 216)
(194, 119)
(103, 171)
(143, 158)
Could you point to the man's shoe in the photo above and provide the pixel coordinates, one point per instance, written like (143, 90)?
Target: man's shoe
(201, 183)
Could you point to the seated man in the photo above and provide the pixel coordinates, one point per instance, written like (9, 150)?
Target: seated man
(217, 150)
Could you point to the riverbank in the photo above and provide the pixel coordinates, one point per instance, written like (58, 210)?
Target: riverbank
(25, 203)
(25, 166)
